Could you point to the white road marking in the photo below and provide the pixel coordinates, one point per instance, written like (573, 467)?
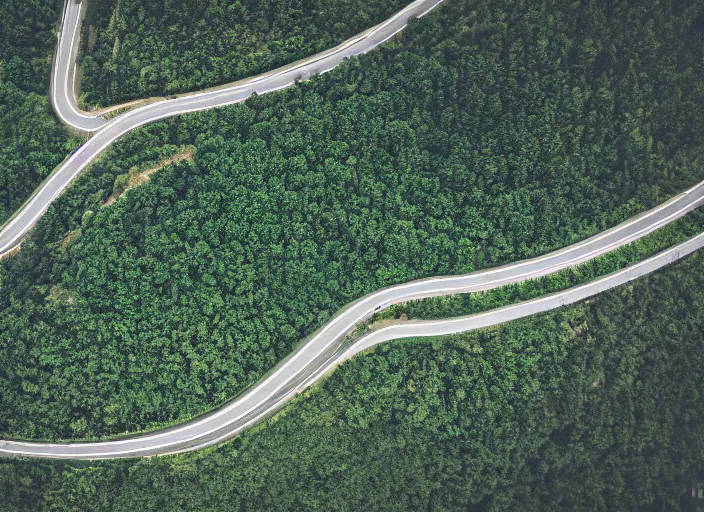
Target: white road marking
(356, 312)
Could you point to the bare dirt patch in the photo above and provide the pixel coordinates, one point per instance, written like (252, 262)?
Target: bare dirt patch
(69, 238)
(60, 295)
(136, 177)
(380, 324)
(10, 253)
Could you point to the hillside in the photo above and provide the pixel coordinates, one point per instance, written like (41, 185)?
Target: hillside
(32, 141)
(487, 133)
(134, 49)
(593, 407)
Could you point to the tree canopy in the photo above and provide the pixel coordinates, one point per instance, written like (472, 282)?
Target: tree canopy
(487, 133)
(596, 407)
(134, 49)
(32, 141)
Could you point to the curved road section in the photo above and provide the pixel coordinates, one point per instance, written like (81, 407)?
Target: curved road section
(18, 227)
(64, 74)
(322, 351)
(63, 81)
(419, 329)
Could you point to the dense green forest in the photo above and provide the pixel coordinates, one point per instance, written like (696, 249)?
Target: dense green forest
(32, 141)
(471, 141)
(470, 303)
(597, 407)
(135, 49)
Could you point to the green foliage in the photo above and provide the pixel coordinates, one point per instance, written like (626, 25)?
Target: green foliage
(470, 303)
(27, 40)
(594, 407)
(32, 142)
(135, 49)
(477, 140)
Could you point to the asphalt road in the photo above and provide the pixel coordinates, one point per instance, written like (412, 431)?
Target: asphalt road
(63, 76)
(15, 230)
(420, 329)
(63, 93)
(323, 350)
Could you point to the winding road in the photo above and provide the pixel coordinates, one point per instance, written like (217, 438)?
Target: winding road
(63, 99)
(63, 86)
(63, 75)
(325, 349)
